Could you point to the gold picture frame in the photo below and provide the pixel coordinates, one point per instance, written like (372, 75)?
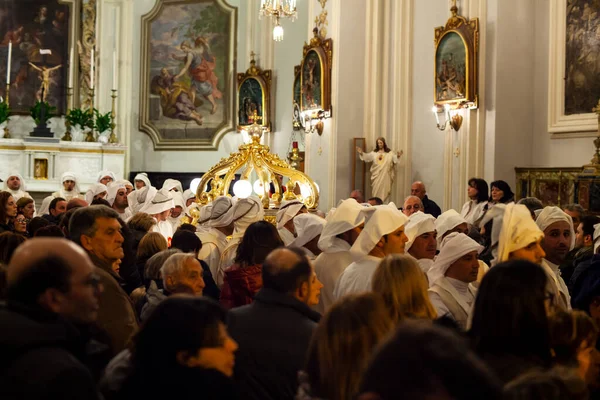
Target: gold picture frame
(315, 75)
(254, 96)
(456, 62)
(40, 168)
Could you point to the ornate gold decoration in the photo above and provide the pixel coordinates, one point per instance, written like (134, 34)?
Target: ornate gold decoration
(85, 46)
(553, 186)
(468, 31)
(324, 50)
(263, 78)
(321, 23)
(267, 166)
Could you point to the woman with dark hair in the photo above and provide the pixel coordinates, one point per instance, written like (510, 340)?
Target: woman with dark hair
(8, 211)
(244, 278)
(500, 192)
(20, 224)
(510, 328)
(382, 168)
(183, 351)
(478, 194)
(26, 206)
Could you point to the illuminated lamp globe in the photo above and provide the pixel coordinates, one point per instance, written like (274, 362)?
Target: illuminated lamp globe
(194, 185)
(304, 190)
(258, 187)
(242, 189)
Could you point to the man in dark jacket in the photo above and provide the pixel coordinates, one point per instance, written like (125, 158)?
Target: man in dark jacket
(97, 229)
(274, 331)
(52, 296)
(429, 206)
(581, 256)
(58, 206)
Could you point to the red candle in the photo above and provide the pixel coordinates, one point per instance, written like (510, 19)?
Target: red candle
(295, 145)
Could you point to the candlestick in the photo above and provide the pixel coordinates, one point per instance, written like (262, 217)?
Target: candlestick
(9, 62)
(113, 137)
(71, 72)
(7, 94)
(92, 69)
(435, 112)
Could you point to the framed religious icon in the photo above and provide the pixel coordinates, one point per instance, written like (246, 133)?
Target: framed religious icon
(456, 55)
(187, 88)
(254, 96)
(40, 168)
(315, 75)
(27, 27)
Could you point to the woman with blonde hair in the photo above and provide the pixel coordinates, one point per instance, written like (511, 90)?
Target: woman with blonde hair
(403, 286)
(342, 345)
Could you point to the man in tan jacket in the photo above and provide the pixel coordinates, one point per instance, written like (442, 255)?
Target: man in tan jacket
(98, 231)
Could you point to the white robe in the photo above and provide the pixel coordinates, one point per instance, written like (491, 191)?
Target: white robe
(126, 215)
(165, 229)
(382, 172)
(357, 277)
(472, 211)
(329, 266)
(453, 298)
(213, 244)
(564, 299)
(285, 235)
(18, 194)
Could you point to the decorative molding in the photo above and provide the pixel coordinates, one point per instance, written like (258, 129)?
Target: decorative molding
(336, 8)
(557, 120)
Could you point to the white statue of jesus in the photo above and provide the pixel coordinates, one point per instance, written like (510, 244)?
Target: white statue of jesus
(383, 169)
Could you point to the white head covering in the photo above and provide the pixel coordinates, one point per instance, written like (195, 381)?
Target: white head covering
(418, 224)
(513, 228)
(113, 188)
(454, 246)
(138, 198)
(308, 226)
(22, 188)
(45, 207)
(172, 184)
(104, 173)
(287, 211)
(380, 221)
(245, 212)
(94, 190)
(159, 203)
(550, 215)
(188, 194)
(348, 215)
(448, 220)
(596, 236)
(124, 182)
(221, 213)
(142, 176)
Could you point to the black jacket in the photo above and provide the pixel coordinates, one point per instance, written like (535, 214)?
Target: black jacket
(587, 286)
(41, 357)
(273, 334)
(430, 207)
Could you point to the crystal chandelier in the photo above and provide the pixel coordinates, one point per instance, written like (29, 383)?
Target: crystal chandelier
(278, 9)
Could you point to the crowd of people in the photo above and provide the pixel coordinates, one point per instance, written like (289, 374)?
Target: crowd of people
(124, 292)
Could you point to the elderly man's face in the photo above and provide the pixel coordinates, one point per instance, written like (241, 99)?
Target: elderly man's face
(417, 189)
(190, 280)
(557, 241)
(411, 206)
(107, 242)
(13, 183)
(424, 246)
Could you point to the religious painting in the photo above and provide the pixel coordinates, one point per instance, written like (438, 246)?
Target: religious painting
(455, 69)
(582, 56)
(254, 89)
(187, 98)
(39, 34)
(315, 75)
(553, 186)
(40, 168)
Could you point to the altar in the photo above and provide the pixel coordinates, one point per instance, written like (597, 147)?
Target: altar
(43, 163)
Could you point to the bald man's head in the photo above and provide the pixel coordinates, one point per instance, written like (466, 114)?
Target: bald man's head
(76, 203)
(57, 275)
(285, 269)
(418, 189)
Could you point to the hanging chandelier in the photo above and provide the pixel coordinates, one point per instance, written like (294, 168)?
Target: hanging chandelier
(278, 9)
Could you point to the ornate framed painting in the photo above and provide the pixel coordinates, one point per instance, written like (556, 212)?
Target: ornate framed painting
(254, 96)
(30, 26)
(574, 81)
(315, 75)
(297, 118)
(456, 55)
(187, 89)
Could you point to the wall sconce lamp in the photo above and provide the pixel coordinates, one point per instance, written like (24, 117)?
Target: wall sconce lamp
(313, 121)
(454, 121)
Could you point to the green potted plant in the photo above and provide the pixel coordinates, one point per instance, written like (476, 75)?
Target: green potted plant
(78, 122)
(4, 117)
(103, 126)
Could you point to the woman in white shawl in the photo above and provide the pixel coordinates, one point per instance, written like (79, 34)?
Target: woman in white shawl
(382, 168)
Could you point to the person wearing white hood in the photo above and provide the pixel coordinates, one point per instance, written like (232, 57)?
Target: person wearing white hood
(141, 180)
(117, 198)
(344, 224)
(308, 227)
(15, 185)
(245, 212)
(96, 191)
(177, 212)
(189, 197)
(285, 219)
(451, 275)
(214, 240)
(421, 234)
(106, 177)
(448, 222)
(382, 235)
(559, 239)
(69, 189)
(160, 208)
(127, 184)
(172, 185)
(139, 197)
